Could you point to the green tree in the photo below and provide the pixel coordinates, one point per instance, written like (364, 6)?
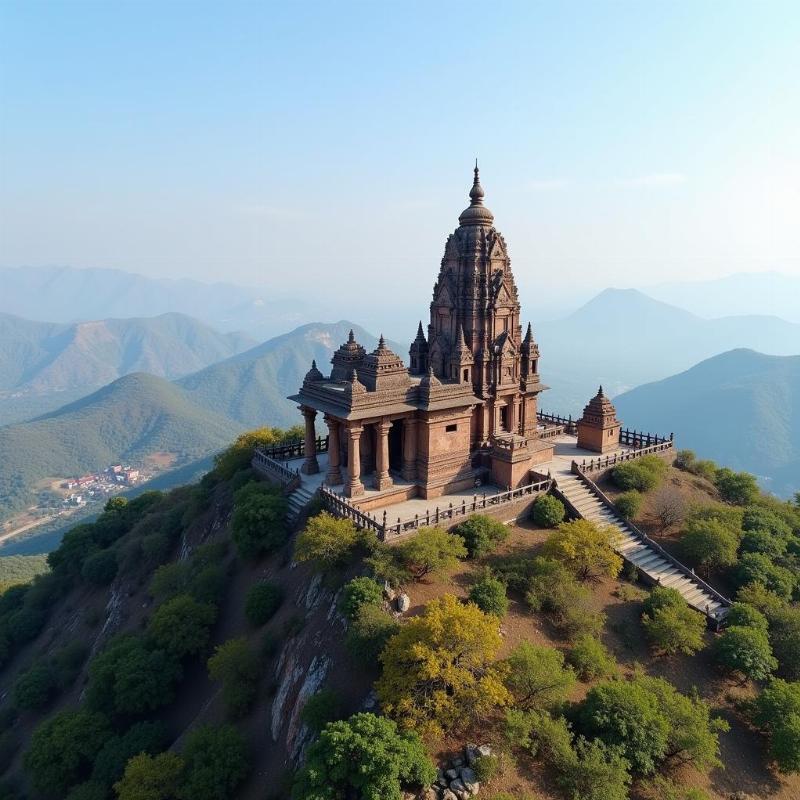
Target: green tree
(62, 750)
(591, 659)
(129, 677)
(237, 667)
(100, 568)
(745, 615)
(239, 455)
(709, 543)
(596, 772)
(758, 568)
(262, 601)
(739, 488)
(585, 548)
(673, 626)
(547, 511)
(216, 763)
(259, 520)
(368, 633)
(366, 757)
(431, 551)
(321, 708)
(142, 737)
(777, 711)
(745, 651)
(629, 503)
(35, 687)
(764, 542)
(182, 626)
(149, 777)
(489, 594)
(481, 534)
(359, 592)
(536, 677)
(327, 541)
(784, 624)
(635, 475)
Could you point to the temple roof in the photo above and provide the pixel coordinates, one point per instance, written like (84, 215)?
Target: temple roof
(600, 406)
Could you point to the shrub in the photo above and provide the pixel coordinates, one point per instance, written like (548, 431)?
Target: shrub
(629, 504)
(327, 541)
(100, 568)
(130, 677)
(370, 630)
(236, 666)
(89, 790)
(182, 626)
(216, 763)
(762, 541)
(481, 534)
(438, 668)
(143, 737)
(739, 488)
(239, 455)
(34, 688)
(758, 568)
(364, 756)
(360, 592)
(321, 708)
(746, 651)
(591, 659)
(486, 768)
(596, 772)
(635, 475)
(709, 543)
(63, 748)
(547, 511)
(671, 625)
(759, 518)
(431, 551)
(537, 678)
(684, 460)
(489, 594)
(777, 711)
(262, 601)
(785, 636)
(585, 549)
(149, 777)
(259, 520)
(668, 507)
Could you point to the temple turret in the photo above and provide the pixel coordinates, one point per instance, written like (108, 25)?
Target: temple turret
(598, 428)
(419, 353)
(347, 358)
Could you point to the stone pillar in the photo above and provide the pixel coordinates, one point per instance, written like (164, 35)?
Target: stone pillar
(334, 475)
(409, 449)
(311, 467)
(354, 486)
(516, 422)
(382, 478)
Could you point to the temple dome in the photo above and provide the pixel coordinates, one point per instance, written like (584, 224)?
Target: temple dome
(476, 213)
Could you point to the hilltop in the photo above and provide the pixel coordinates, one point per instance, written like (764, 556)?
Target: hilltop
(44, 364)
(741, 408)
(132, 417)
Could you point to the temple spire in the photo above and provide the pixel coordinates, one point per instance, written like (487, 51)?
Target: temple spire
(476, 193)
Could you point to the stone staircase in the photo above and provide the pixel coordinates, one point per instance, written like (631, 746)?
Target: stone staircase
(644, 556)
(298, 500)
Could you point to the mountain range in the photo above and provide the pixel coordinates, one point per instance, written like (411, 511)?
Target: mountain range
(623, 338)
(44, 365)
(740, 408)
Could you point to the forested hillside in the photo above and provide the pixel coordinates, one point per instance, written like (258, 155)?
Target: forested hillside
(135, 416)
(194, 645)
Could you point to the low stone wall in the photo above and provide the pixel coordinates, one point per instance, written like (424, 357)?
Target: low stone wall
(598, 473)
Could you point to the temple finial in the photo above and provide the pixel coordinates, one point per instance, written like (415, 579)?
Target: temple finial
(351, 336)
(476, 192)
(381, 342)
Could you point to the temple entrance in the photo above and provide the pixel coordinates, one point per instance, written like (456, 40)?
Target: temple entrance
(396, 446)
(505, 418)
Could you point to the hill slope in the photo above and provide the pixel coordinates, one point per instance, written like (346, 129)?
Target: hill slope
(623, 338)
(43, 364)
(132, 417)
(740, 408)
(251, 387)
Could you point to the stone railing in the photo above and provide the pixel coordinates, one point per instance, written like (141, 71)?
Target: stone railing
(713, 618)
(569, 425)
(607, 462)
(291, 450)
(638, 439)
(551, 431)
(274, 470)
(342, 507)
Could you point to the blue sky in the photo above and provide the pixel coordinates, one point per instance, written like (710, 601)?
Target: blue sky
(294, 145)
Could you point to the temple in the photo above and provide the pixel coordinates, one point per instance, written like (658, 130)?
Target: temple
(463, 412)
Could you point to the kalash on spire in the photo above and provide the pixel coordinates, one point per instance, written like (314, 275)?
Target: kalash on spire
(465, 410)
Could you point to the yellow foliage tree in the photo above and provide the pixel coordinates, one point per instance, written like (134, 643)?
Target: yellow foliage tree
(326, 540)
(438, 670)
(585, 548)
(240, 453)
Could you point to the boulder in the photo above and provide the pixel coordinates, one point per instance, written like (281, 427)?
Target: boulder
(403, 602)
(448, 795)
(467, 775)
(428, 794)
(457, 786)
(388, 592)
(457, 761)
(471, 753)
(484, 750)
